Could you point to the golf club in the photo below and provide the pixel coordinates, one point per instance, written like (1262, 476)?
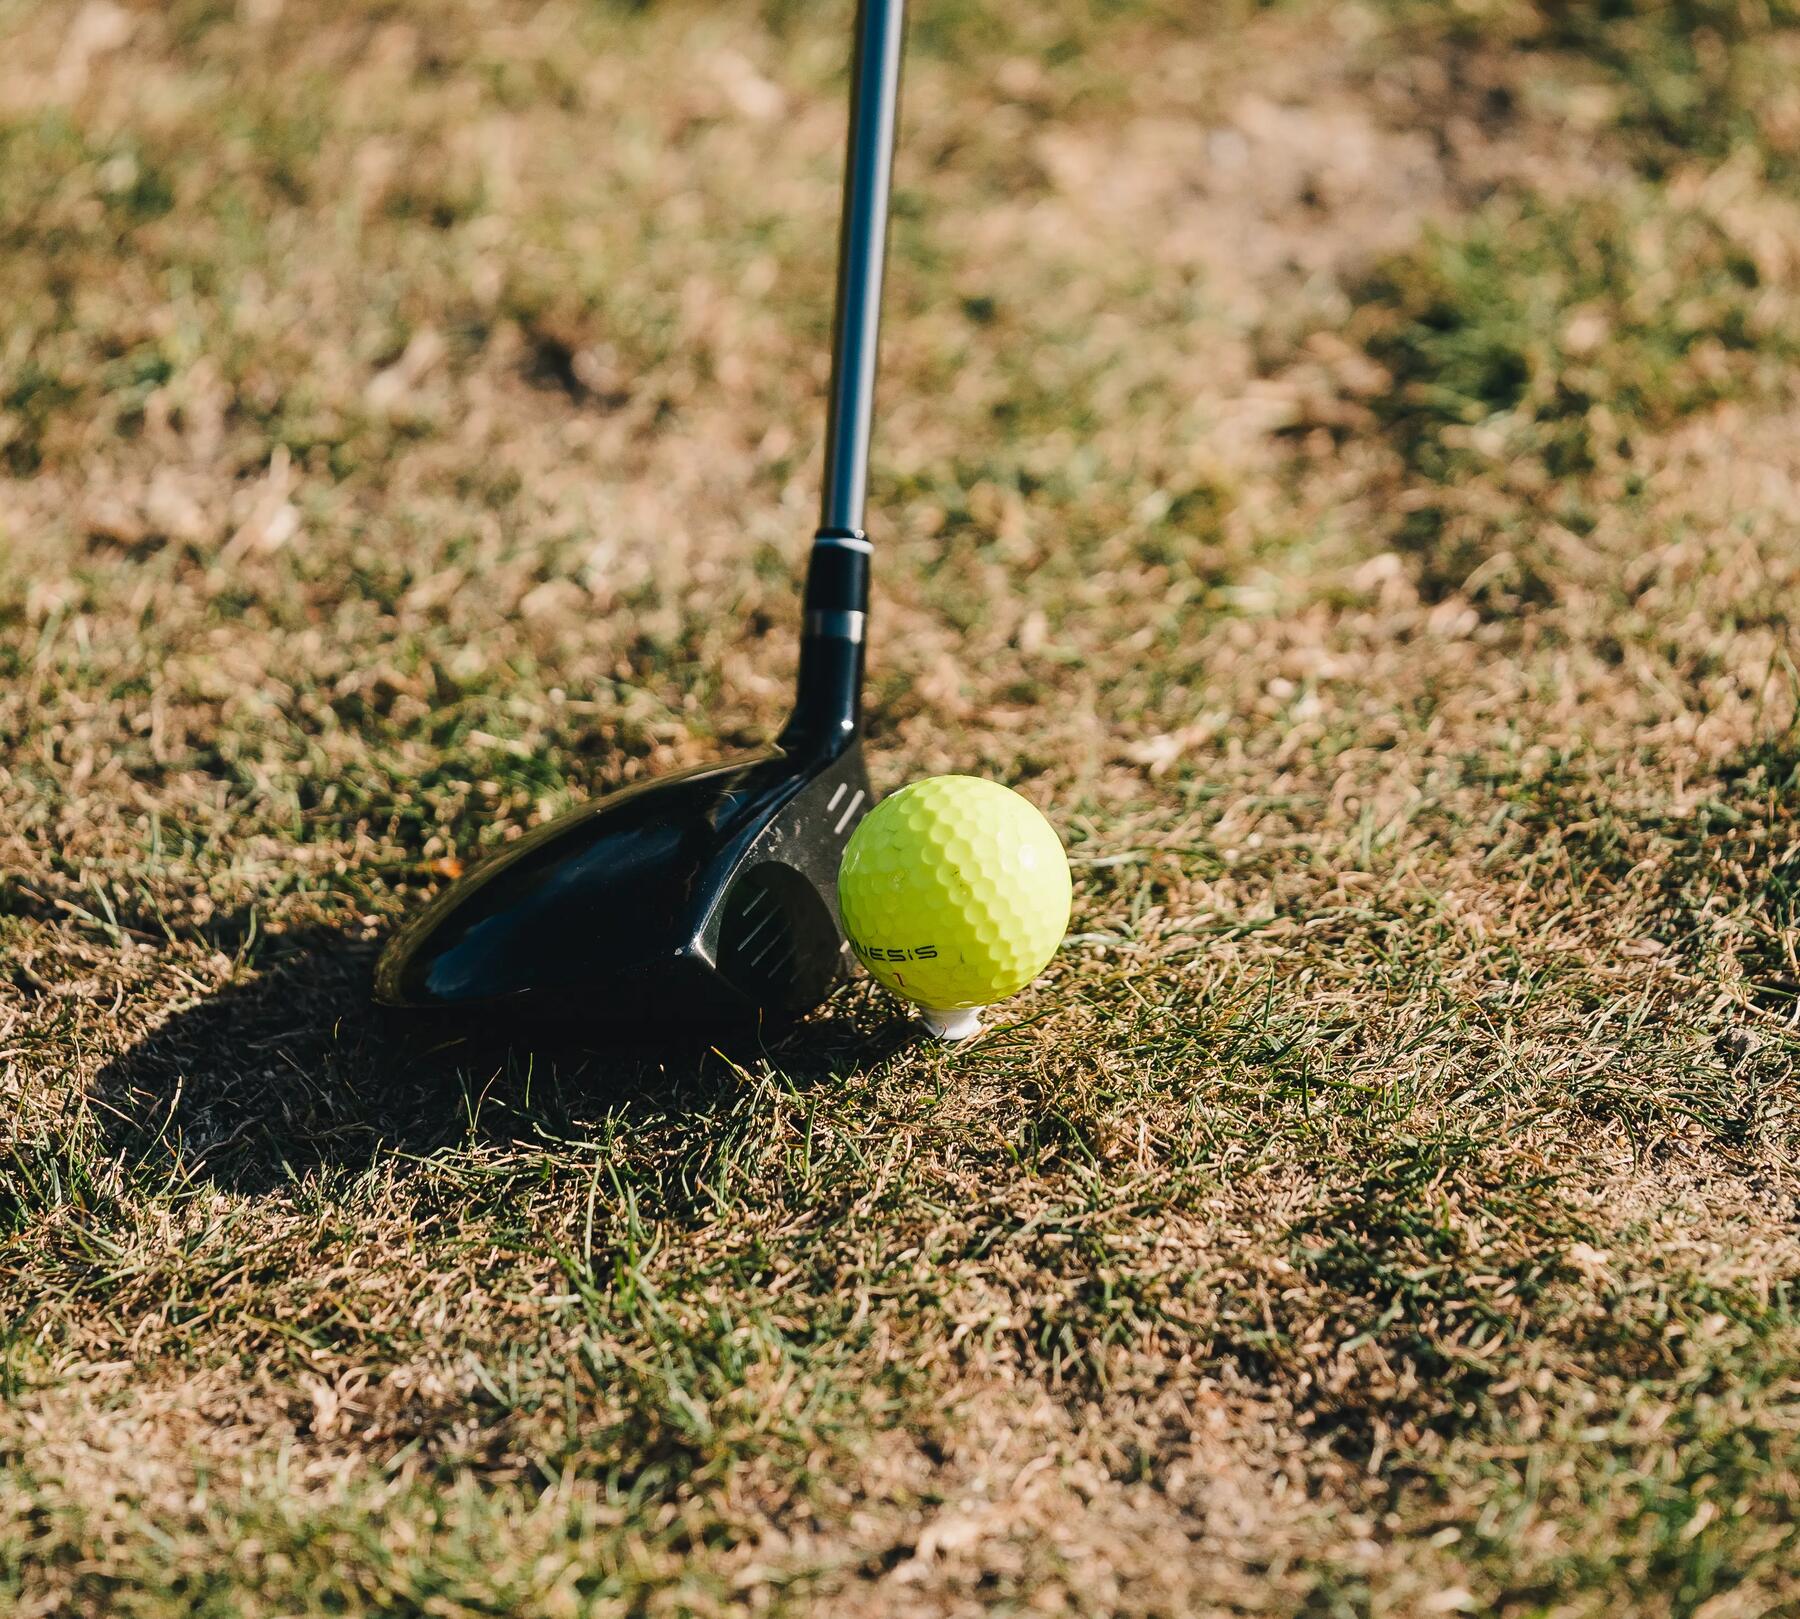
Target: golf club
(709, 897)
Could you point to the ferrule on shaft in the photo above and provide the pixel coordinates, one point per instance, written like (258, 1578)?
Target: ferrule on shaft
(834, 621)
(837, 575)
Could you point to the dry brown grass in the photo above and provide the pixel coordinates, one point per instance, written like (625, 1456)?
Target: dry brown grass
(1339, 459)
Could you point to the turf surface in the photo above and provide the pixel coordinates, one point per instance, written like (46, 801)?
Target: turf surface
(1340, 460)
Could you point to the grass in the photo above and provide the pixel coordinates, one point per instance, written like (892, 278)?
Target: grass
(1671, 82)
(1336, 459)
(1536, 344)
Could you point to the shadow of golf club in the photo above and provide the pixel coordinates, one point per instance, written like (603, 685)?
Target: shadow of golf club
(292, 1068)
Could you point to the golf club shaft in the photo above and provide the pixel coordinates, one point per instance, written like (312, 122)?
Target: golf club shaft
(827, 709)
(862, 250)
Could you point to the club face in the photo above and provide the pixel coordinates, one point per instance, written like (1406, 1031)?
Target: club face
(706, 898)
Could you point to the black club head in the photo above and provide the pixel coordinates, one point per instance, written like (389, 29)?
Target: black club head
(707, 898)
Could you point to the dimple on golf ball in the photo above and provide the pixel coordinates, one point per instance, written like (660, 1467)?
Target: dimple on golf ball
(954, 892)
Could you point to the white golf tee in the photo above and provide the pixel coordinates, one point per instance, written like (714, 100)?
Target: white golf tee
(958, 1023)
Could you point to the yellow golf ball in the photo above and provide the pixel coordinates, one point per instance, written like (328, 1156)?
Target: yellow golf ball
(954, 892)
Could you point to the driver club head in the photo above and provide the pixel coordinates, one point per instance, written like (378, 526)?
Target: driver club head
(707, 898)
